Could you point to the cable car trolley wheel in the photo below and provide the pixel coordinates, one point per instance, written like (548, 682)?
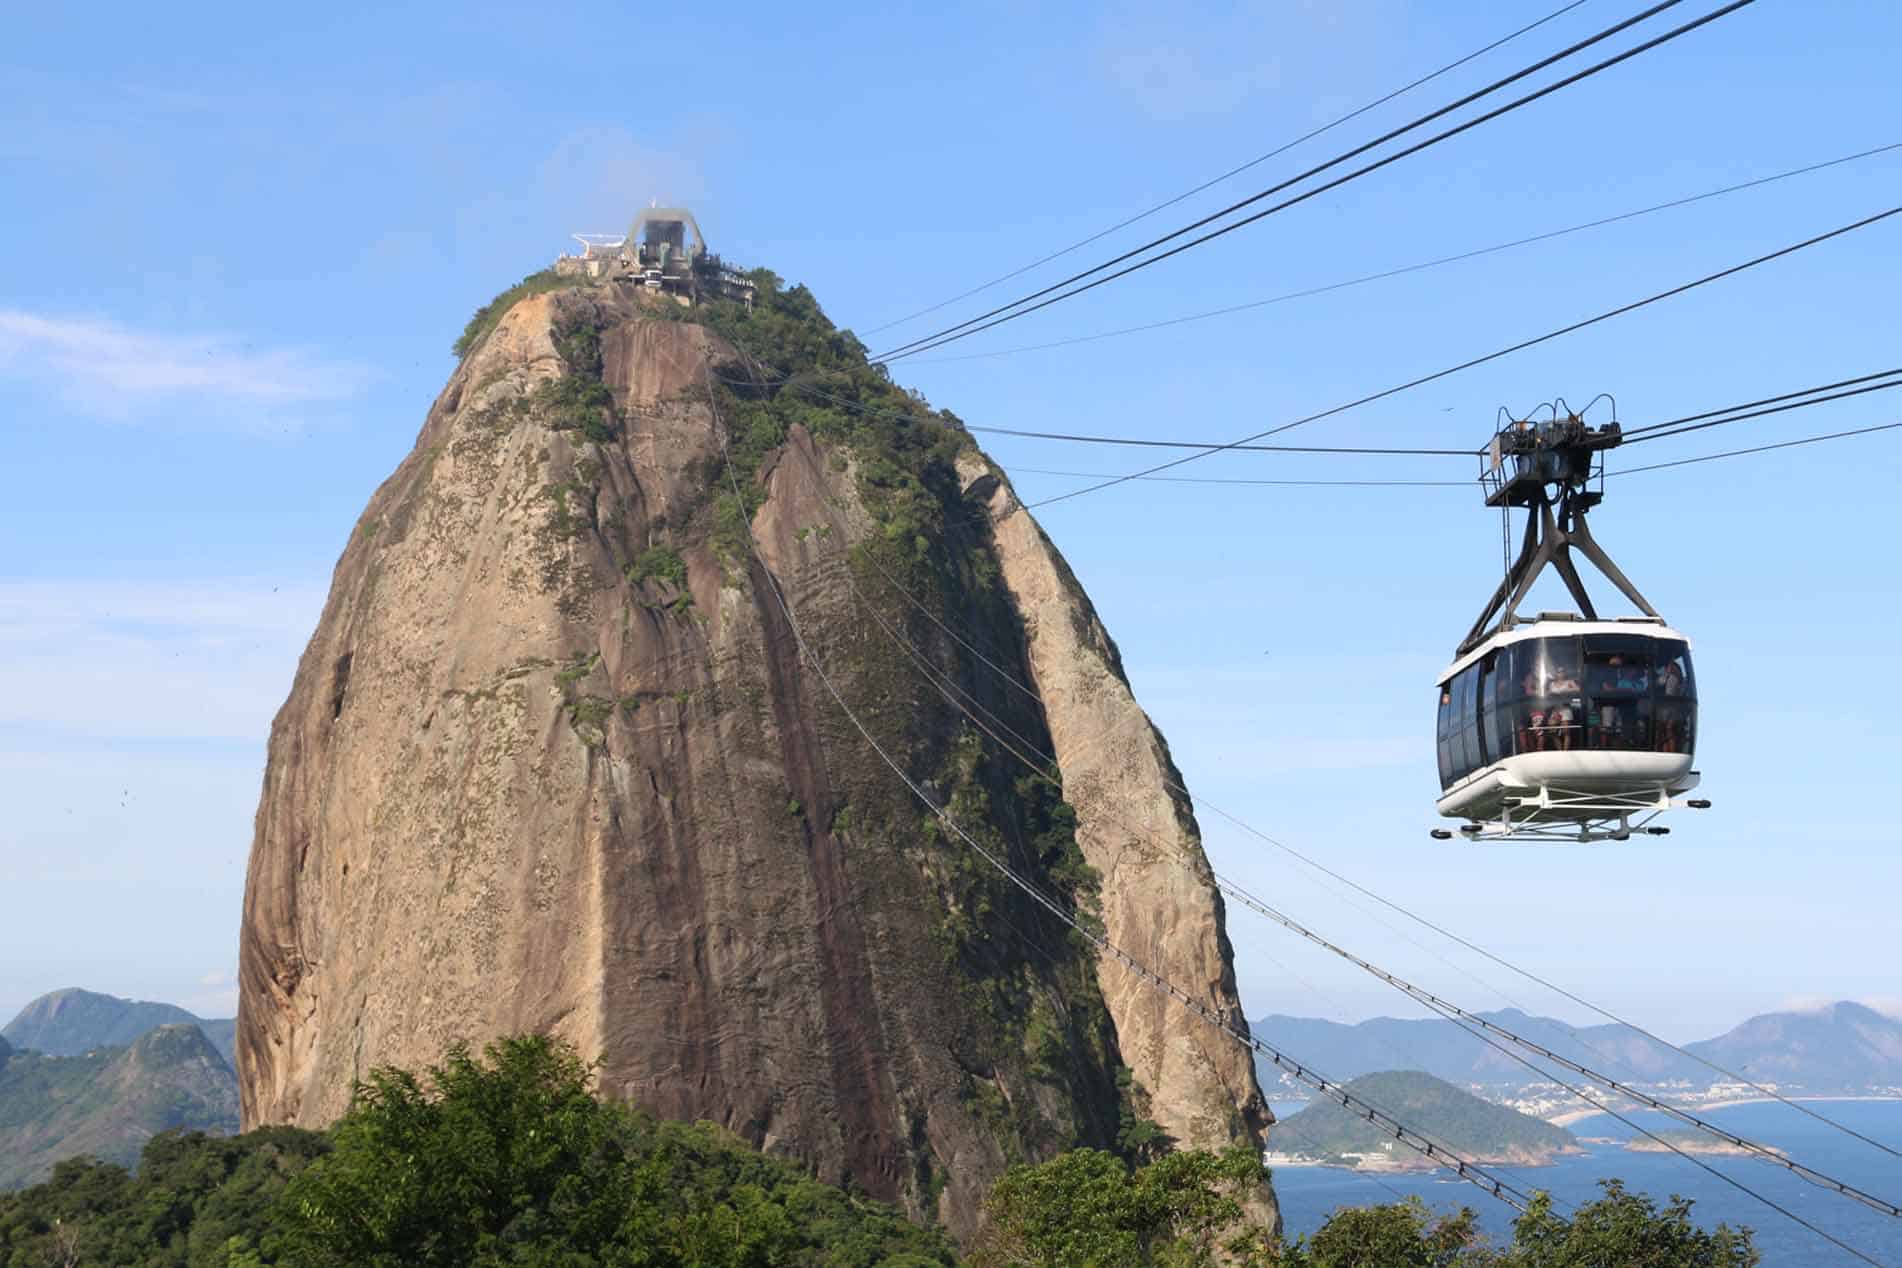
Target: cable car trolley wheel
(1568, 727)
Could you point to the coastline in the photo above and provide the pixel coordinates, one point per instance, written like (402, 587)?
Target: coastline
(1410, 1166)
(1570, 1117)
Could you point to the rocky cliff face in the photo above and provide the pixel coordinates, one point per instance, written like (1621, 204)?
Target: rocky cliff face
(554, 761)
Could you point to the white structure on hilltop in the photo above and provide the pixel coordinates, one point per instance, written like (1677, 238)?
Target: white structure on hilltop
(664, 251)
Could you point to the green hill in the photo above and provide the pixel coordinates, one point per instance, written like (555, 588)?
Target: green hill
(1480, 1130)
(108, 1102)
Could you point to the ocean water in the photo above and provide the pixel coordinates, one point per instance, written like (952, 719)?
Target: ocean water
(1308, 1194)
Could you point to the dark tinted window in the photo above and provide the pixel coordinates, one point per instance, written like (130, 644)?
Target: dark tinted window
(1489, 732)
(1445, 721)
(1602, 692)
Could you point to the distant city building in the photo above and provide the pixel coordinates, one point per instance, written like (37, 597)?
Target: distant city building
(664, 251)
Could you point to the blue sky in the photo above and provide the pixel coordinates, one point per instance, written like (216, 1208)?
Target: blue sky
(239, 246)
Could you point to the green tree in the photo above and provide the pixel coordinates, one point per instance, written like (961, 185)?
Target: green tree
(480, 1163)
(1399, 1235)
(508, 1159)
(1090, 1209)
(1626, 1228)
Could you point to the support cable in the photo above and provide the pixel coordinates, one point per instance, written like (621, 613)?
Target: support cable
(1402, 271)
(1523, 344)
(1767, 400)
(1259, 159)
(1471, 1172)
(1417, 484)
(1652, 431)
(1761, 413)
(1023, 307)
(1737, 453)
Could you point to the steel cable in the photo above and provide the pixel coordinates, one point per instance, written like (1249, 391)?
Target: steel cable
(1233, 171)
(1023, 307)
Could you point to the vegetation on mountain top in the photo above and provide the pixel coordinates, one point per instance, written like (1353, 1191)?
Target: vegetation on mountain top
(797, 368)
(490, 314)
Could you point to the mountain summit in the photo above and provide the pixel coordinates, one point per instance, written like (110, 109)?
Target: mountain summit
(70, 1022)
(66, 1023)
(557, 759)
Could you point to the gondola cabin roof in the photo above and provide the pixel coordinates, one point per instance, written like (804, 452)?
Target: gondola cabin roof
(1563, 625)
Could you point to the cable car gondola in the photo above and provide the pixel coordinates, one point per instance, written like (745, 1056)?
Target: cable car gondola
(1568, 726)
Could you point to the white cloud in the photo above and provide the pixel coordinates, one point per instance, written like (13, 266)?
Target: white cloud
(1888, 1005)
(111, 370)
(186, 660)
(212, 1005)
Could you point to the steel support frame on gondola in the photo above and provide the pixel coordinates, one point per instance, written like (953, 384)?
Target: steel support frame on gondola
(1552, 814)
(1551, 534)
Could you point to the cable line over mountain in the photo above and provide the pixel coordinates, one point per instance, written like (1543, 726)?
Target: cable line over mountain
(1471, 1020)
(1045, 297)
(1723, 416)
(1671, 1146)
(1041, 769)
(1768, 1092)
(1404, 270)
(1358, 484)
(1511, 1195)
(1783, 403)
(1520, 346)
(1259, 159)
(1041, 766)
(791, 380)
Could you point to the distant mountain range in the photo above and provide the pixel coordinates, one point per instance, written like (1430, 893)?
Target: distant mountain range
(84, 1073)
(109, 1101)
(1481, 1131)
(1842, 1048)
(72, 1022)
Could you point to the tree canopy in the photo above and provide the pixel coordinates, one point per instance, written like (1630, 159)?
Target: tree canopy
(508, 1158)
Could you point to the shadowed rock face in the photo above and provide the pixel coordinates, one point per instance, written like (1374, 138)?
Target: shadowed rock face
(554, 761)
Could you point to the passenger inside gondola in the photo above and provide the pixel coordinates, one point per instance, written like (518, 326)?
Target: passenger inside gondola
(1595, 692)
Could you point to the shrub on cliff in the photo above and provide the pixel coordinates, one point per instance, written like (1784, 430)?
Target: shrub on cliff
(490, 314)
